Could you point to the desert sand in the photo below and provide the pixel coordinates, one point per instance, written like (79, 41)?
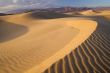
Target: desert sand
(93, 55)
(95, 13)
(88, 12)
(31, 45)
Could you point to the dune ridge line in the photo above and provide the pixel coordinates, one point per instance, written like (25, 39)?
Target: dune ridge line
(86, 30)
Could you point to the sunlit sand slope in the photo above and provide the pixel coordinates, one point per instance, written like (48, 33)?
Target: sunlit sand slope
(88, 12)
(92, 56)
(42, 42)
(95, 13)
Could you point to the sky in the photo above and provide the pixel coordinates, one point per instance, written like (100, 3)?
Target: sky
(57, 3)
(83, 3)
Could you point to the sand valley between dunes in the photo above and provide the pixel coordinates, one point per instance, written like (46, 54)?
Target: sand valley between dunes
(32, 45)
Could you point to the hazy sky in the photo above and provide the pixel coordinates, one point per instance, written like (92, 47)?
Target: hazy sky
(84, 3)
(78, 3)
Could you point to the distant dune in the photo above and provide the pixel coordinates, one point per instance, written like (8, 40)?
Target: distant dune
(88, 12)
(31, 44)
(95, 13)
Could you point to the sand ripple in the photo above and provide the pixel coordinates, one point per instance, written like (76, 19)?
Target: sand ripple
(92, 56)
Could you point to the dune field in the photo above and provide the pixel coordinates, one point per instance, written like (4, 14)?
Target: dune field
(29, 45)
(36, 44)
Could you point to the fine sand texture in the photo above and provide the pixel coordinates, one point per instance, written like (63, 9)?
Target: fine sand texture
(92, 56)
(31, 45)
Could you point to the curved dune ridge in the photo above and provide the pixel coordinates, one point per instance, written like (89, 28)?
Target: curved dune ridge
(45, 42)
(92, 56)
(95, 13)
(88, 12)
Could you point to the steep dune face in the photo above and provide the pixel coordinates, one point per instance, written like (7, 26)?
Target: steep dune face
(44, 42)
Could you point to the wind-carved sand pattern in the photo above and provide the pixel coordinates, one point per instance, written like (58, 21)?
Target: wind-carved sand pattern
(17, 58)
(92, 56)
(45, 42)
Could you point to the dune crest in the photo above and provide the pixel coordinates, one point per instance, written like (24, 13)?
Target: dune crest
(92, 56)
(46, 42)
(88, 12)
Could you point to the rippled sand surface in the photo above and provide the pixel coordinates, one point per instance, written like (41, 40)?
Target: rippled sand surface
(92, 56)
(32, 45)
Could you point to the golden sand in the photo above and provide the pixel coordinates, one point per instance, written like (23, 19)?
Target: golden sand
(92, 56)
(37, 44)
(88, 12)
(95, 13)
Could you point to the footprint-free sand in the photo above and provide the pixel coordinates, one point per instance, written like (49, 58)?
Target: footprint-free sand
(93, 55)
(32, 45)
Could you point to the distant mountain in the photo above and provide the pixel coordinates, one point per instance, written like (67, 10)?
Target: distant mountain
(75, 9)
(15, 11)
(57, 10)
(18, 11)
(72, 9)
(66, 9)
(101, 8)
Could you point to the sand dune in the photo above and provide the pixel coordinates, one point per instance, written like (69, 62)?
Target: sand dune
(88, 12)
(95, 13)
(52, 45)
(92, 56)
(105, 12)
(39, 43)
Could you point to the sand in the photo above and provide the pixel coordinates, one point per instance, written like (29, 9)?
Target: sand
(31, 45)
(88, 12)
(95, 13)
(92, 56)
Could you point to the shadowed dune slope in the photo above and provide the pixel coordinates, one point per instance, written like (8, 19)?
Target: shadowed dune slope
(37, 15)
(9, 31)
(92, 56)
(47, 15)
(38, 44)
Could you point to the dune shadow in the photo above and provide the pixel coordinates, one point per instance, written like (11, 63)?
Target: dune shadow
(9, 31)
(3, 14)
(47, 15)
